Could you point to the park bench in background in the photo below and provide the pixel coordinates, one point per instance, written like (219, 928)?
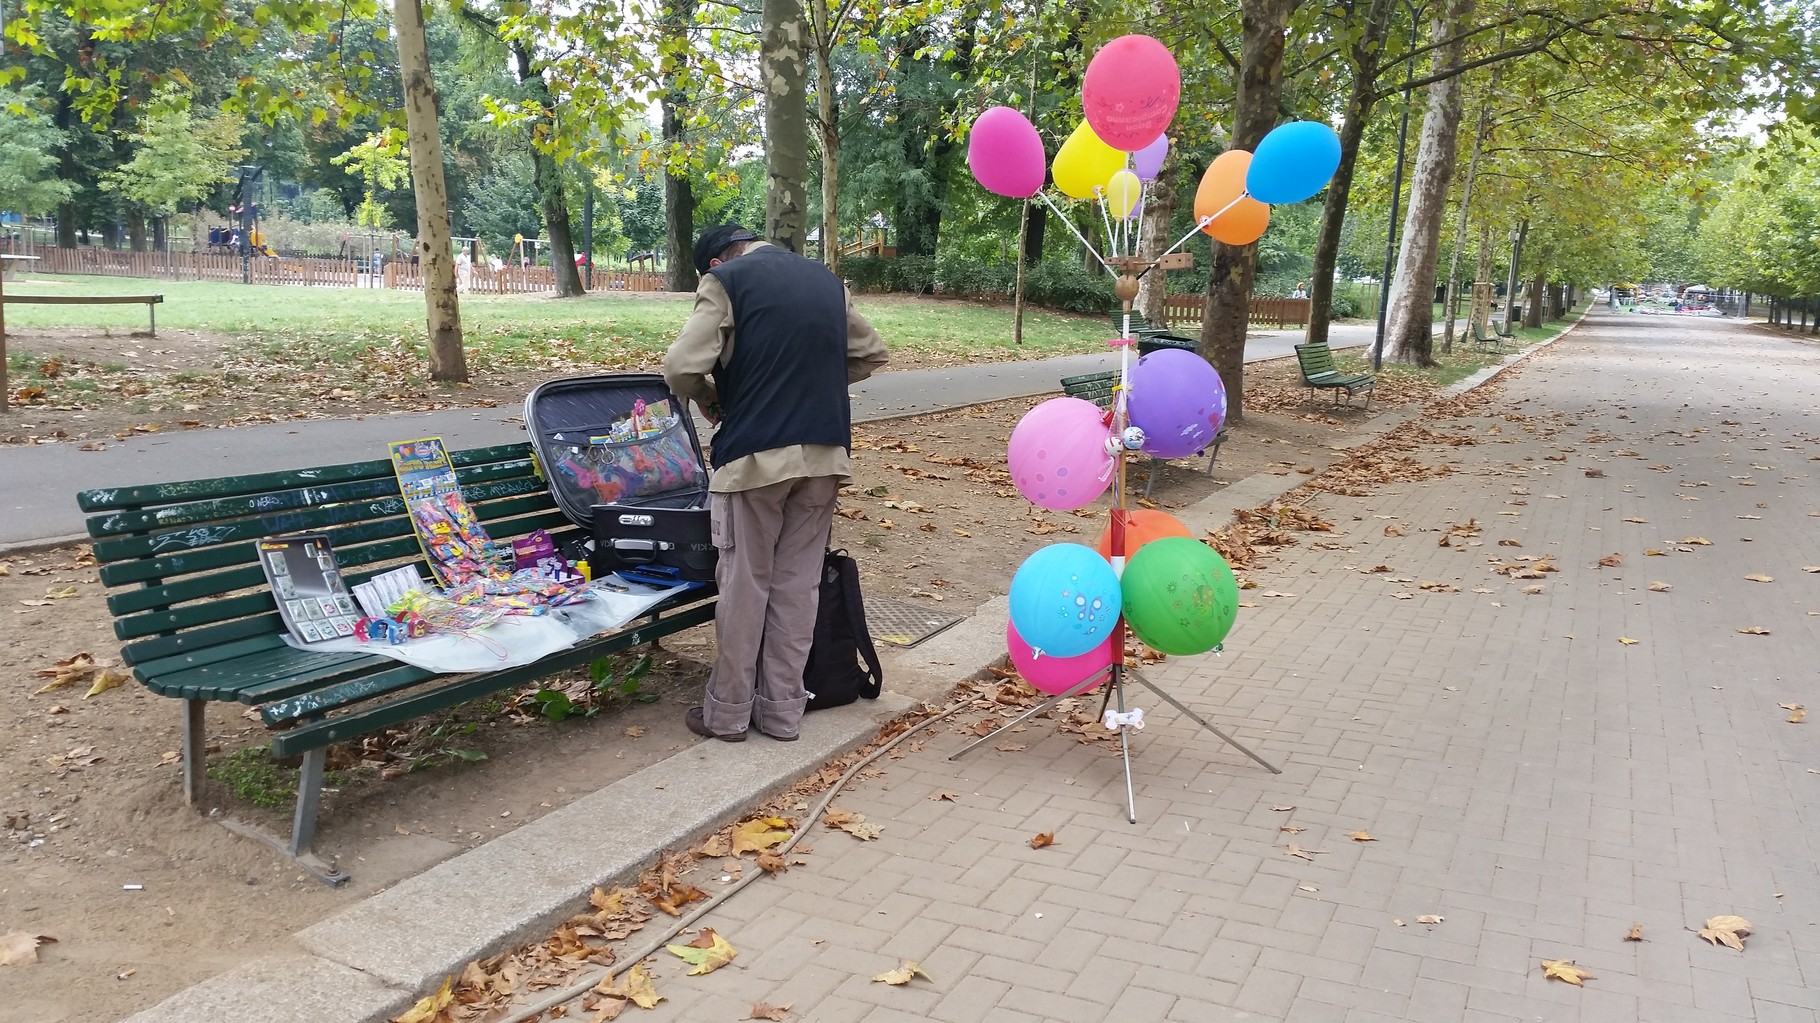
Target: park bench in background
(149, 301)
(1099, 388)
(1318, 373)
(191, 604)
(1482, 337)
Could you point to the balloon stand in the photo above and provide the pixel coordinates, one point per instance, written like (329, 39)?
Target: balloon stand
(1113, 710)
(1071, 606)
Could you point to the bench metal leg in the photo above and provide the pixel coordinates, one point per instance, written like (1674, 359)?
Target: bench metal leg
(1156, 468)
(154, 311)
(193, 751)
(309, 800)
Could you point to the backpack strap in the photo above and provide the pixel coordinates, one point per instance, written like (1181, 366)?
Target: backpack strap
(856, 617)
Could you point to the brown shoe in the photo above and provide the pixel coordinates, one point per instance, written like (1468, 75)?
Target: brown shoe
(700, 727)
(768, 735)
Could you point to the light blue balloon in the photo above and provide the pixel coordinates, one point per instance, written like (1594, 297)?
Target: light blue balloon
(1293, 162)
(1065, 600)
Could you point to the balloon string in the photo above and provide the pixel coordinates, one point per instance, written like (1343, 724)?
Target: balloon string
(1112, 239)
(1069, 224)
(1204, 221)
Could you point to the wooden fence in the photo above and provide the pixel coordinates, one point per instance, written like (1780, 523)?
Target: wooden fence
(316, 271)
(1190, 310)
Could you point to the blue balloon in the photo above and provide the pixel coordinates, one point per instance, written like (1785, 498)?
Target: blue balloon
(1065, 600)
(1293, 162)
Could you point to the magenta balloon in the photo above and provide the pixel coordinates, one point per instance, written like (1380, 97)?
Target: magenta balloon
(1057, 455)
(1006, 154)
(1178, 400)
(1148, 161)
(1130, 92)
(1056, 675)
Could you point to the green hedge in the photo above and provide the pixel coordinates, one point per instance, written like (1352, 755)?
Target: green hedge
(1057, 284)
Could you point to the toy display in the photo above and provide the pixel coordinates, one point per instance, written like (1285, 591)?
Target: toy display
(453, 540)
(307, 587)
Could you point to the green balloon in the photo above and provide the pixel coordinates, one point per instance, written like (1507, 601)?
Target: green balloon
(1180, 596)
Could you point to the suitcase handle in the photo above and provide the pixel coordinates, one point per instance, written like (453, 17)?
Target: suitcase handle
(649, 547)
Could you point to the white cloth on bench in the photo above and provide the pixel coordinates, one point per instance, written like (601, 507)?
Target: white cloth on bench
(514, 639)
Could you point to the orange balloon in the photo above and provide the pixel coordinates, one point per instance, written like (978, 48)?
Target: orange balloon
(1224, 182)
(1141, 527)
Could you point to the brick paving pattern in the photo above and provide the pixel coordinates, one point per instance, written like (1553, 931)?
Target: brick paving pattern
(1526, 776)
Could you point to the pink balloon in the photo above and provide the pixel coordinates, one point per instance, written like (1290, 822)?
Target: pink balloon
(1056, 675)
(1148, 161)
(1057, 455)
(1005, 153)
(1130, 92)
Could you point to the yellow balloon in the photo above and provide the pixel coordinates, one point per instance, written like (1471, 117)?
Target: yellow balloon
(1122, 193)
(1085, 163)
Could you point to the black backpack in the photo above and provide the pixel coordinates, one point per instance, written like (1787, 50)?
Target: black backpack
(834, 675)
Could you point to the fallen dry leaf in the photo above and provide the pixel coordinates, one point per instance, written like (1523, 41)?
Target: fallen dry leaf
(903, 974)
(1301, 853)
(1633, 518)
(1759, 577)
(1292, 829)
(760, 834)
(765, 1010)
(772, 863)
(1627, 641)
(1042, 840)
(1660, 587)
(635, 987)
(1729, 931)
(1280, 808)
(1533, 588)
(1393, 530)
(715, 846)
(1635, 933)
(1796, 713)
(1697, 541)
(1810, 568)
(1654, 553)
(1564, 969)
(1597, 474)
(707, 953)
(1612, 560)
(1754, 630)
(430, 1006)
(1361, 836)
(945, 797)
(107, 679)
(677, 896)
(59, 592)
(1431, 919)
(634, 731)
(20, 948)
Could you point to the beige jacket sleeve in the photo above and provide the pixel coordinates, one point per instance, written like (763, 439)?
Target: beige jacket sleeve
(706, 335)
(865, 350)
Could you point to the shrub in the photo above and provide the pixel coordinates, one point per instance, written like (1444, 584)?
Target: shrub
(865, 273)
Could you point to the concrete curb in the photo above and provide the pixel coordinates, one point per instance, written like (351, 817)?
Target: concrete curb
(371, 961)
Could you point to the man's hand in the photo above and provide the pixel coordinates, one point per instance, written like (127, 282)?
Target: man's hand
(710, 412)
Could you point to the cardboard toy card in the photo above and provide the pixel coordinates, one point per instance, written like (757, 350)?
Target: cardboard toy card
(308, 588)
(454, 542)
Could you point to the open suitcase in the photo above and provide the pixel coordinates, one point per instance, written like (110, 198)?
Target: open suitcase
(621, 457)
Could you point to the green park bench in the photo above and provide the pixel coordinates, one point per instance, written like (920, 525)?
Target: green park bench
(1099, 388)
(1487, 339)
(197, 619)
(1319, 373)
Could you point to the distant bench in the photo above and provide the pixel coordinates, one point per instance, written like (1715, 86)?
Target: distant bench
(151, 302)
(1100, 388)
(1319, 373)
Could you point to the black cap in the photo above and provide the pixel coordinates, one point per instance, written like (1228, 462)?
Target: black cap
(715, 240)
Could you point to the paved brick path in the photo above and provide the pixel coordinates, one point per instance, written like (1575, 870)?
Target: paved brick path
(1526, 776)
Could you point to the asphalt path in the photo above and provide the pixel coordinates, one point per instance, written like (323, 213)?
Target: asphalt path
(38, 483)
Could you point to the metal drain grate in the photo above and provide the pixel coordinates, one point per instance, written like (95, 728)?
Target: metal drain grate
(902, 623)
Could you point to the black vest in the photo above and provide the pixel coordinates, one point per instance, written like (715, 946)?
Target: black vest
(787, 381)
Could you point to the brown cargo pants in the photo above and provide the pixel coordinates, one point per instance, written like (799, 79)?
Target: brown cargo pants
(771, 541)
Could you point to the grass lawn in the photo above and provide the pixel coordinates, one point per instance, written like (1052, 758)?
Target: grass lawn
(1467, 358)
(339, 324)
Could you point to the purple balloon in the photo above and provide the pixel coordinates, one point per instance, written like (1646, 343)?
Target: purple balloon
(1148, 161)
(1006, 154)
(1178, 400)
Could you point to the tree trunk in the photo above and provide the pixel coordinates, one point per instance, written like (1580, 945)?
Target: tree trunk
(1538, 288)
(546, 177)
(1459, 234)
(1159, 211)
(784, 75)
(1264, 25)
(447, 360)
(1367, 54)
(1479, 316)
(827, 123)
(135, 228)
(161, 241)
(1409, 328)
(679, 190)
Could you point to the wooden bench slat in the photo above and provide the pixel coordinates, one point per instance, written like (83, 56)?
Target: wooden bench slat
(345, 726)
(226, 680)
(160, 667)
(147, 650)
(18, 299)
(133, 497)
